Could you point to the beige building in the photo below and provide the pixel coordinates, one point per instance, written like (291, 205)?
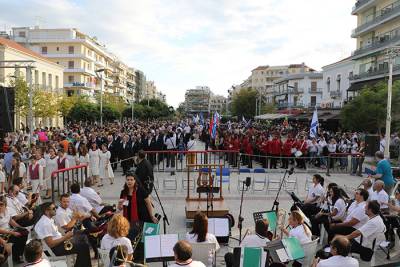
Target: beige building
(378, 28)
(151, 90)
(217, 104)
(46, 75)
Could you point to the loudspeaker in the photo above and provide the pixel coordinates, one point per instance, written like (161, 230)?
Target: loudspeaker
(7, 107)
(371, 144)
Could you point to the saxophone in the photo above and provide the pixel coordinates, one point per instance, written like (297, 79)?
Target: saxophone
(280, 222)
(136, 240)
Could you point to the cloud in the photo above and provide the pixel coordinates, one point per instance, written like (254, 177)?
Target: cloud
(180, 44)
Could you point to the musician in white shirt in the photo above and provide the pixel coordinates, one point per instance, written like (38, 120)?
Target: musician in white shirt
(21, 214)
(183, 255)
(47, 230)
(362, 240)
(380, 195)
(80, 204)
(65, 218)
(298, 229)
(367, 185)
(315, 194)
(260, 238)
(33, 255)
(94, 198)
(340, 250)
(355, 217)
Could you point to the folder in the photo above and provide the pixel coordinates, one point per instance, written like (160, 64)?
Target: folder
(293, 248)
(272, 219)
(218, 226)
(159, 246)
(251, 257)
(150, 229)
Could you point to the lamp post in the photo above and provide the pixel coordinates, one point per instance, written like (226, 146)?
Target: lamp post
(392, 52)
(99, 74)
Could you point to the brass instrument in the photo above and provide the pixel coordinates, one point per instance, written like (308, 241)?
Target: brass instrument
(68, 245)
(281, 217)
(6, 237)
(139, 236)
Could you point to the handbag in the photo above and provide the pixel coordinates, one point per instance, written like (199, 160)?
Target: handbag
(298, 154)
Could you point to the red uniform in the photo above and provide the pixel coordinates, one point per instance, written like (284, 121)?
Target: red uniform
(275, 146)
(287, 147)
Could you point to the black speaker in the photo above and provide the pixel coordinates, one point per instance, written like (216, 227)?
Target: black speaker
(371, 144)
(7, 107)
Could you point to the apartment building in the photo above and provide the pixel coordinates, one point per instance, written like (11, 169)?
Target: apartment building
(336, 82)
(378, 28)
(197, 100)
(131, 84)
(263, 77)
(140, 88)
(160, 96)
(46, 75)
(300, 90)
(151, 90)
(218, 104)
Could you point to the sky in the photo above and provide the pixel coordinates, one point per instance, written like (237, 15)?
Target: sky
(180, 44)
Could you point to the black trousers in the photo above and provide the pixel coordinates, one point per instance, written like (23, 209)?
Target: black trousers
(273, 162)
(19, 245)
(125, 165)
(80, 247)
(310, 210)
(339, 230)
(365, 253)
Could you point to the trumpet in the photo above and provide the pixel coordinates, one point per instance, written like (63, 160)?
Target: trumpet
(68, 245)
(281, 217)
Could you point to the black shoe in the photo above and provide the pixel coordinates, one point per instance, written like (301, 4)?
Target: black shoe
(17, 260)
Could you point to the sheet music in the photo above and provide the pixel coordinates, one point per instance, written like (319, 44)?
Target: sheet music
(221, 227)
(283, 256)
(152, 246)
(167, 244)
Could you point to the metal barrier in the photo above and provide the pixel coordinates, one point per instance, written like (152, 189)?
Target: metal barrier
(66, 177)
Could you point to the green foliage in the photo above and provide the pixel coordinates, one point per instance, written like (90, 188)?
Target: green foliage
(244, 103)
(21, 95)
(83, 110)
(268, 108)
(113, 103)
(155, 109)
(367, 112)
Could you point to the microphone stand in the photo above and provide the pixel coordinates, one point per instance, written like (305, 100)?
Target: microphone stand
(275, 206)
(240, 220)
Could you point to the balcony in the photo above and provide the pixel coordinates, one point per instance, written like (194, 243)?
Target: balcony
(374, 72)
(335, 94)
(284, 105)
(79, 84)
(315, 90)
(291, 91)
(379, 43)
(313, 105)
(361, 4)
(385, 14)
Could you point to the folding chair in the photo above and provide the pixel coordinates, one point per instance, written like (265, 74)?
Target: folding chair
(310, 249)
(259, 179)
(104, 257)
(226, 177)
(308, 184)
(204, 252)
(291, 184)
(69, 260)
(241, 179)
(170, 183)
(273, 184)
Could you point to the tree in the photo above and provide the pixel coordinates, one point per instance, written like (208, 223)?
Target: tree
(367, 112)
(244, 103)
(66, 103)
(83, 110)
(268, 108)
(21, 95)
(115, 103)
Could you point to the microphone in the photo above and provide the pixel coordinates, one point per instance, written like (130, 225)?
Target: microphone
(291, 171)
(248, 181)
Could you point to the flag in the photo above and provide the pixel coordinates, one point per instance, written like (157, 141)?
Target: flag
(197, 118)
(244, 120)
(201, 118)
(215, 123)
(211, 125)
(286, 122)
(314, 124)
(229, 125)
(248, 123)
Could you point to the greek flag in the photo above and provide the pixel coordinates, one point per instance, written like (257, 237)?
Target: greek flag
(229, 125)
(314, 124)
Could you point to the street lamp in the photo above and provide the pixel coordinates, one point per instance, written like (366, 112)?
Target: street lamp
(99, 74)
(392, 52)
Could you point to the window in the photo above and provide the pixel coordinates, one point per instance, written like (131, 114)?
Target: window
(50, 80)
(70, 64)
(338, 79)
(313, 86)
(44, 78)
(70, 79)
(313, 101)
(70, 49)
(58, 49)
(328, 84)
(44, 49)
(57, 85)
(296, 84)
(36, 77)
(21, 34)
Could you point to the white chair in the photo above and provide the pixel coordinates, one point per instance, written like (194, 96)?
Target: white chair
(242, 179)
(261, 178)
(291, 184)
(69, 260)
(204, 252)
(310, 249)
(170, 183)
(273, 184)
(226, 177)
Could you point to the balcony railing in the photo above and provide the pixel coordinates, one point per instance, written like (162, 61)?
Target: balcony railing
(335, 94)
(360, 3)
(375, 71)
(315, 90)
(385, 13)
(379, 42)
(313, 105)
(290, 105)
(292, 91)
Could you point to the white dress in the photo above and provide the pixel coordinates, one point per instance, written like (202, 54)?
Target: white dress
(105, 167)
(94, 161)
(51, 166)
(84, 160)
(71, 160)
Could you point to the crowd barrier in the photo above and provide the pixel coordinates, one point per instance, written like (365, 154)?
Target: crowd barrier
(173, 160)
(62, 179)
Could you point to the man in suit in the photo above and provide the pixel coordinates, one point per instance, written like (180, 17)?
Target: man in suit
(144, 172)
(112, 146)
(124, 154)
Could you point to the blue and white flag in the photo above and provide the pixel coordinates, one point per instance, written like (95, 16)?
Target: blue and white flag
(244, 120)
(248, 123)
(229, 125)
(314, 124)
(201, 118)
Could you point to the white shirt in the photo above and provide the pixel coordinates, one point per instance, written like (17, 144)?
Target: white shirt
(5, 219)
(22, 198)
(371, 230)
(382, 197)
(300, 234)
(187, 129)
(46, 227)
(316, 191)
(191, 145)
(80, 204)
(2, 177)
(340, 206)
(108, 242)
(170, 142)
(357, 211)
(254, 241)
(63, 216)
(39, 263)
(15, 205)
(335, 261)
(370, 191)
(94, 199)
(210, 238)
(191, 264)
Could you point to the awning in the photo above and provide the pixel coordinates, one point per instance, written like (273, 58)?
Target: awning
(272, 116)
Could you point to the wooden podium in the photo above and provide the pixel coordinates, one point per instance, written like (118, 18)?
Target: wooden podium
(205, 182)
